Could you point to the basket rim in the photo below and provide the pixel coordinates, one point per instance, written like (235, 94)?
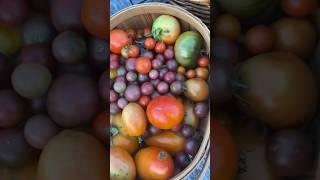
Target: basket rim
(205, 33)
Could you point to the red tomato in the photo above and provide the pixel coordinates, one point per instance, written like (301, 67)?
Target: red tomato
(160, 47)
(143, 65)
(149, 43)
(130, 51)
(203, 61)
(165, 112)
(118, 39)
(101, 126)
(154, 163)
(191, 73)
(144, 101)
(299, 8)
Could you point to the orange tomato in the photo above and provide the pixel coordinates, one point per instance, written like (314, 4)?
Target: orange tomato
(118, 40)
(121, 164)
(94, 17)
(169, 141)
(154, 163)
(160, 47)
(134, 119)
(143, 65)
(165, 112)
(128, 143)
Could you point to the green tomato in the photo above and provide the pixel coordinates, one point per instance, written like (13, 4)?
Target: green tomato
(166, 28)
(187, 48)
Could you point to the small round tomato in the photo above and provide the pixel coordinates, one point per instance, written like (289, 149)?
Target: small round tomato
(130, 51)
(202, 73)
(160, 47)
(203, 61)
(131, 144)
(154, 163)
(165, 112)
(143, 65)
(181, 70)
(169, 141)
(146, 32)
(118, 39)
(101, 126)
(131, 33)
(259, 39)
(299, 8)
(149, 43)
(121, 164)
(134, 119)
(144, 101)
(191, 73)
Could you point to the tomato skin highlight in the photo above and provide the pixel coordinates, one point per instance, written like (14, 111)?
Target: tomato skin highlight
(165, 112)
(154, 163)
(118, 39)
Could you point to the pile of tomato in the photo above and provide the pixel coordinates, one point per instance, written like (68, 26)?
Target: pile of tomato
(158, 99)
(266, 89)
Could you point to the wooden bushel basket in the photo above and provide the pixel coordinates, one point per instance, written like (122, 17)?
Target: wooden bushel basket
(143, 15)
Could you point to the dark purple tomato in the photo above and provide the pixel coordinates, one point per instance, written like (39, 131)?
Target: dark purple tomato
(66, 15)
(162, 72)
(168, 54)
(13, 109)
(132, 93)
(187, 131)
(176, 87)
(14, 149)
(103, 86)
(37, 53)
(73, 100)
(131, 76)
(156, 64)
(180, 77)
(225, 50)
(290, 153)
(114, 64)
(38, 105)
(147, 88)
(131, 64)
(169, 77)
(114, 109)
(182, 159)
(201, 109)
(155, 82)
(121, 71)
(119, 86)
(191, 146)
(153, 130)
(143, 78)
(38, 29)
(160, 57)
(69, 47)
(162, 87)
(148, 54)
(172, 65)
(177, 128)
(113, 96)
(98, 52)
(39, 130)
(153, 74)
(13, 12)
(122, 102)
(31, 80)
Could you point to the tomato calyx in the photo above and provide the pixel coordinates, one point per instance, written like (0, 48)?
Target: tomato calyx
(163, 155)
(157, 33)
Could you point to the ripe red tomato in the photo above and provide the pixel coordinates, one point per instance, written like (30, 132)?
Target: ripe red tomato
(101, 126)
(118, 39)
(203, 61)
(154, 163)
(160, 47)
(165, 112)
(144, 101)
(191, 73)
(149, 43)
(130, 51)
(121, 164)
(143, 65)
(299, 8)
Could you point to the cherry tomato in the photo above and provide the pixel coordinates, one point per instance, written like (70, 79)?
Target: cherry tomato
(131, 33)
(121, 164)
(128, 143)
(226, 156)
(134, 119)
(202, 73)
(146, 32)
(143, 65)
(144, 101)
(259, 39)
(154, 163)
(181, 70)
(160, 47)
(130, 51)
(149, 43)
(101, 126)
(165, 112)
(169, 141)
(118, 39)
(191, 73)
(203, 61)
(299, 8)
